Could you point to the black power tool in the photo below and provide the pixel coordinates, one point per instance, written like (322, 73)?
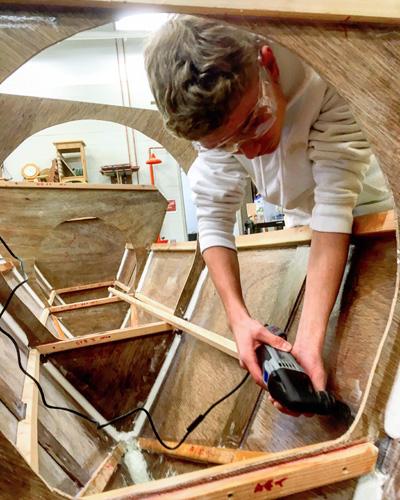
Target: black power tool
(290, 385)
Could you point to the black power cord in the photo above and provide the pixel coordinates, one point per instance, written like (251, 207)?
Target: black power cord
(189, 429)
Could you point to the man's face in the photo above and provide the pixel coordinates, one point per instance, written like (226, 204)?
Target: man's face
(235, 128)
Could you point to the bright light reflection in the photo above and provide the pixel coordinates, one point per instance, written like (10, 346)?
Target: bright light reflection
(142, 22)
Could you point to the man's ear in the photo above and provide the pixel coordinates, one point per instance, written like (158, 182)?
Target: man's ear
(269, 62)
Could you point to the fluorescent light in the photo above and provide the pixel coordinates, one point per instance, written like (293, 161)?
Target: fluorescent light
(142, 22)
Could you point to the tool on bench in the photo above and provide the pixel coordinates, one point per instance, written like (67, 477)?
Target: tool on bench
(290, 385)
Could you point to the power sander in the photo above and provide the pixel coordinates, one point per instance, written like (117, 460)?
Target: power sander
(290, 385)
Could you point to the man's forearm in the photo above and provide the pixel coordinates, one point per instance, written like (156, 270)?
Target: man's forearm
(223, 266)
(328, 257)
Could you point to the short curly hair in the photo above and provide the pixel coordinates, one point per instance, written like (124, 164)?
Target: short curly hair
(198, 70)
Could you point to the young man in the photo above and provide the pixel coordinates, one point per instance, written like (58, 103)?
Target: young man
(259, 112)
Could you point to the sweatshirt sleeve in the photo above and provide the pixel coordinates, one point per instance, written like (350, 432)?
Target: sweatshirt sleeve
(218, 182)
(341, 157)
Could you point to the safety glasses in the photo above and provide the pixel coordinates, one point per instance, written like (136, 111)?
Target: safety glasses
(260, 119)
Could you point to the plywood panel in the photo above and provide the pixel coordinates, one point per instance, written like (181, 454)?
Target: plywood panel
(54, 475)
(79, 438)
(81, 252)
(8, 423)
(201, 374)
(115, 377)
(17, 478)
(135, 211)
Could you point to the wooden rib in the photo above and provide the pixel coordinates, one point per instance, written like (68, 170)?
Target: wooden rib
(232, 480)
(80, 288)
(225, 345)
(183, 246)
(5, 267)
(341, 10)
(134, 316)
(199, 453)
(84, 304)
(27, 431)
(102, 475)
(105, 337)
(148, 300)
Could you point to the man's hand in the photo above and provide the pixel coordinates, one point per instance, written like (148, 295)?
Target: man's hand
(250, 334)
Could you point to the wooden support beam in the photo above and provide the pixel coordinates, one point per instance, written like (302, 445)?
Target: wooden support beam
(199, 453)
(103, 473)
(81, 288)
(264, 481)
(123, 287)
(225, 345)
(105, 337)
(27, 431)
(84, 304)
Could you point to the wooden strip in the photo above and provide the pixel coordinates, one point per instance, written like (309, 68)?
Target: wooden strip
(84, 304)
(52, 297)
(102, 475)
(57, 326)
(372, 224)
(190, 284)
(340, 11)
(273, 481)
(105, 337)
(363, 225)
(225, 345)
(199, 453)
(27, 432)
(79, 186)
(11, 401)
(123, 287)
(148, 300)
(5, 267)
(44, 316)
(134, 316)
(80, 288)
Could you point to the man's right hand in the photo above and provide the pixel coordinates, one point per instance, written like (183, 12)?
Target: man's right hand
(250, 334)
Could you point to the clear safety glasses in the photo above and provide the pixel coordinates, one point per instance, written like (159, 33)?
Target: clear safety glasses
(260, 119)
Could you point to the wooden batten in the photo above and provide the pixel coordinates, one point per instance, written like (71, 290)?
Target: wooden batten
(225, 345)
(199, 453)
(105, 337)
(27, 432)
(81, 288)
(83, 305)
